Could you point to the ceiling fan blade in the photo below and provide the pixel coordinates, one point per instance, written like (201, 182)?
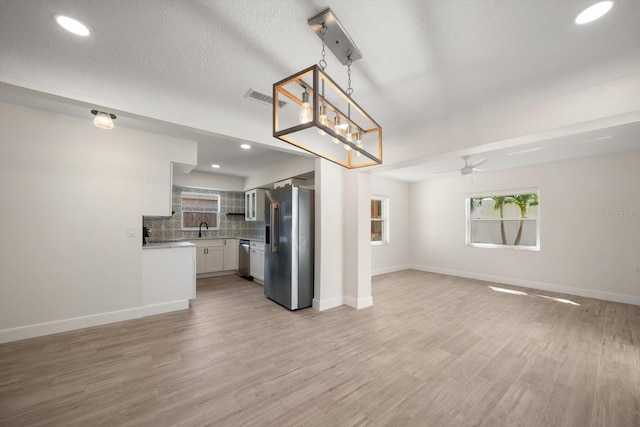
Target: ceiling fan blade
(479, 162)
(450, 170)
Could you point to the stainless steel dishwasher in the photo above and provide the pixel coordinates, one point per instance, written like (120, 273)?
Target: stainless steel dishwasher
(244, 258)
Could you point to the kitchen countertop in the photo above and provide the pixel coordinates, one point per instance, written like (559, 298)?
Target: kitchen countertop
(179, 242)
(168, 244)
(253, 239)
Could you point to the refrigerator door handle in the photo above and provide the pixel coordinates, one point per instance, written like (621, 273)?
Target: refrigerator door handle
(274, 226)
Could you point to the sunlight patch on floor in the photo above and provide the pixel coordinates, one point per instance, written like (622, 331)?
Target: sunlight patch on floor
(562, 300)
(514, 292)
(507, 291)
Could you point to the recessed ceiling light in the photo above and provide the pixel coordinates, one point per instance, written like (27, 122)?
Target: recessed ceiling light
(73, 26)
(215, 166)
(593, 12)
(245, 146)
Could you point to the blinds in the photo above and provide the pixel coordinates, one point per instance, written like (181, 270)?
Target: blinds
(376, 209)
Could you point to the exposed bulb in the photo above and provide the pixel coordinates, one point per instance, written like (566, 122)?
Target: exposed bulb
(359, 143)
(323, 120)
(336, 128)
(306, 113)
(349, 138)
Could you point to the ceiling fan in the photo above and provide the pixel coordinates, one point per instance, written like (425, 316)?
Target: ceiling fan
(468, 168)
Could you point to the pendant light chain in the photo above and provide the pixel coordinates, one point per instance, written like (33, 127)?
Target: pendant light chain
(321, 115)
(323, 63)
(349, 88)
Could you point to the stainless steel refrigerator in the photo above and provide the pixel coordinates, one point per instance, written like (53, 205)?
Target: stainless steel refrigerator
(288, 251)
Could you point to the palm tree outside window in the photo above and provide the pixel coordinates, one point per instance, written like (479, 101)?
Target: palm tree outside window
(504, 219)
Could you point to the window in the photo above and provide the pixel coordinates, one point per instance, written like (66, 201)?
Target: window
(379, 221)
(504, 219)
(196, 208)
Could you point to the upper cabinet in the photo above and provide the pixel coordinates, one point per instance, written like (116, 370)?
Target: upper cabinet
(156, 188)
(157, 184)
(254, 205)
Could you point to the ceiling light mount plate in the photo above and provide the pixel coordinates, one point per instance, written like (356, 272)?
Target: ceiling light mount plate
(335, 36)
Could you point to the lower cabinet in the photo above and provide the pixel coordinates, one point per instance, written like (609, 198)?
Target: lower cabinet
(257, 260)
(209, 259)
(230, 254)
(216, 255)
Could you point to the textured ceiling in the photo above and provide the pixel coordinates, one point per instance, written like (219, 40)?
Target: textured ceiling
(425, 64)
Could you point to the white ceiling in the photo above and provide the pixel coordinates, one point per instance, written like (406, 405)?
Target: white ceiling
(586, 144)
(182, 67)
(222, 150)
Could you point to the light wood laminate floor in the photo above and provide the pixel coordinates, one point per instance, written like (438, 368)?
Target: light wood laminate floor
(433, 350)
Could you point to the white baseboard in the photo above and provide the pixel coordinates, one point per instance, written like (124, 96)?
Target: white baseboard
(216, 274)
(550, 287)
(386, 270)
(48, 328)
(358, 303)
(326, 304)
(321, 305)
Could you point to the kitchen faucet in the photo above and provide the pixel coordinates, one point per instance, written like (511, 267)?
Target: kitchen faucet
(200, 228)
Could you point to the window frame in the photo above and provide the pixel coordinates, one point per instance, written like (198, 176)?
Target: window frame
(510, 192)
(384, 220)
(200, 196)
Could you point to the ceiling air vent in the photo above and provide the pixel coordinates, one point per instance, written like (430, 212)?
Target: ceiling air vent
(262, 98)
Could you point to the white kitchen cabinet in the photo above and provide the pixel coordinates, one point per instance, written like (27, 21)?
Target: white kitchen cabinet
(254, 205)
(216, 255)
(256, 258)
(156, 188)
(209, 256)
(230, 254)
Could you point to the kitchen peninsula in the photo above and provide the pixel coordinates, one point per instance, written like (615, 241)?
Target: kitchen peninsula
(169, 273)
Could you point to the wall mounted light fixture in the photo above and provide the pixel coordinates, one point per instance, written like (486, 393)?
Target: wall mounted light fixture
(354, 139)
(103, 120)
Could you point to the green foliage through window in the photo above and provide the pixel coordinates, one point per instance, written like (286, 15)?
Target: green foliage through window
(507, 219)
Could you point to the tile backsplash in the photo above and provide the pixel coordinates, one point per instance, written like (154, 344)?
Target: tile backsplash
(230, 225)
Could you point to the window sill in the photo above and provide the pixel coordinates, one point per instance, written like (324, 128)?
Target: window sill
(495, 246)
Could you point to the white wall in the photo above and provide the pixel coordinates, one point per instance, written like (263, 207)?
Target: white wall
(69, 192)
(584, 249)
(356, 239)
(197, 179)
(342, 249)
(393, 256)
(288, 169)
(329, 255)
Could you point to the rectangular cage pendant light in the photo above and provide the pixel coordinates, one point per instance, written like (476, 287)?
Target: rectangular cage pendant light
(321, 118)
